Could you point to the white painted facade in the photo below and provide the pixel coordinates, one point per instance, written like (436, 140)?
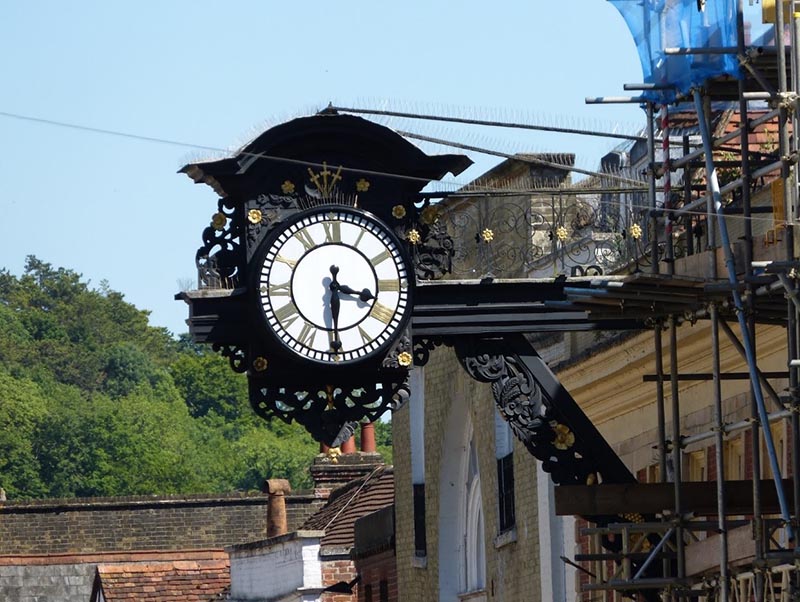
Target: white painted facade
(280, 569)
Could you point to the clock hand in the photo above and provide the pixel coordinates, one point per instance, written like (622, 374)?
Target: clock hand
(334, 286)
(364, 295)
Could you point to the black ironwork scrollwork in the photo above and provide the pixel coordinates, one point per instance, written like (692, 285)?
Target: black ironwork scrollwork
(422, 349)
(237, 357)
(262, 213)
(542, 235)
(219, 260)
(327, 411)
(399, 356)
(531, 414)
(433, 255)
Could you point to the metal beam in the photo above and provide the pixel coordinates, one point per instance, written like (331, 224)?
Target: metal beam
(654, 498)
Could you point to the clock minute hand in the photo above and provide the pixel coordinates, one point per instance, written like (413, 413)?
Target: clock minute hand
(334, 287)
(363, 295)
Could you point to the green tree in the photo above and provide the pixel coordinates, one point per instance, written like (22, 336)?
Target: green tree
(22, 410)
(96, 402)
(207, 384)
(264, 454)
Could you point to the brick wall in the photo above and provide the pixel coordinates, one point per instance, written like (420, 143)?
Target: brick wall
(377, 570)
(512, 564)
(334, 571)
(92, 525)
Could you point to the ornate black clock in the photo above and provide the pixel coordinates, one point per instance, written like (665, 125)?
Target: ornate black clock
(306, 273)
(333, 286)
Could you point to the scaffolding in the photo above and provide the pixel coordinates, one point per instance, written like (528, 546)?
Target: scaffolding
(751, 552)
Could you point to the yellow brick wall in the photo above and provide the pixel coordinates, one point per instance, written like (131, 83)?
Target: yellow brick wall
(609, 386)
(512, 570)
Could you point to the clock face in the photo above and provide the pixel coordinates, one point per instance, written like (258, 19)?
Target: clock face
(333, 286)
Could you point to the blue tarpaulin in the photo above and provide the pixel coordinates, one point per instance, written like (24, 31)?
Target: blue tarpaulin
(659, 24)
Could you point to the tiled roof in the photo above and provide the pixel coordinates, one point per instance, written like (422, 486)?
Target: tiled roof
(177, 580)
(349, 503)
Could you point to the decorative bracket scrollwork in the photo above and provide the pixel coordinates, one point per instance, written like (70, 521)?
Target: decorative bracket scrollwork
(237, 357)
(219, 261)
(540, 412)
(330, 412)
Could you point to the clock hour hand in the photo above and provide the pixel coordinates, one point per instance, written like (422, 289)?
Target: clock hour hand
(363, 295)
(334, 286)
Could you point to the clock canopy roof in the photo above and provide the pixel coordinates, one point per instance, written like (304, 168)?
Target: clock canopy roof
(362, 148)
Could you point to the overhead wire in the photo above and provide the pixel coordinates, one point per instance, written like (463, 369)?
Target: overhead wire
(461, 189)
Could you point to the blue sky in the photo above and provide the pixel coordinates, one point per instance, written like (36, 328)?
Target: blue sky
(216, 74)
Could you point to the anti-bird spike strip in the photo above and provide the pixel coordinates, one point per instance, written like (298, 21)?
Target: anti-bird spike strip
(585, 130)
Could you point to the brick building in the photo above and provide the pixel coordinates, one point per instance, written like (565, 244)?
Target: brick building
(474, 511)
(321, 561)
(51, 548)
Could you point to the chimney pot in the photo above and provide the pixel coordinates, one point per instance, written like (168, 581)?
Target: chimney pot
(276, 506)
(349, 446)
(368, 437)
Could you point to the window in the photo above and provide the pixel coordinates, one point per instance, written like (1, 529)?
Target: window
(420, 542)
(734, 459)
(368, 593)
(383, 591)
(504, 453)
(417, 420)
(778, 430)
(696, 465)
(475, 549)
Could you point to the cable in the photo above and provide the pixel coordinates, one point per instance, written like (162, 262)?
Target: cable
(463, 189)
(191, 145)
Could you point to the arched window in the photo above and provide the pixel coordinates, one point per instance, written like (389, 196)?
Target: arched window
(462, 549)
(474, 548)
(504, 453)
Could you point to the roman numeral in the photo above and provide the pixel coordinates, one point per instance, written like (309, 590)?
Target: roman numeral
(307, 335)
(286, 315)
(333, 231)
(389, 285)
(365, 337)
(279, 289)
(382, 313)
(380, 257)
(360, 236)
(305, 239)
(290, 262)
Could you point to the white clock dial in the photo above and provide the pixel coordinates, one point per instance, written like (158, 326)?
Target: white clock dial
(333, 286)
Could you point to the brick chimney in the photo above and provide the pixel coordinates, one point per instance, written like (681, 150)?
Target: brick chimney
(276, 506)
(334, 467)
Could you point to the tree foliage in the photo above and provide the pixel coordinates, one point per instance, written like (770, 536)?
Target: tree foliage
(96, 402)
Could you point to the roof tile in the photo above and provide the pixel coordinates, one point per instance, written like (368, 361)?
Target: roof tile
(350, 502)
(189, 581)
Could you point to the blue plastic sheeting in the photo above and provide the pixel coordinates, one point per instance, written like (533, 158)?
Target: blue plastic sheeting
(659, 24)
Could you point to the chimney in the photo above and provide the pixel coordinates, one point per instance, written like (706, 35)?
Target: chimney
(349, 446)
(276, 506)
(368, 438)
(332, 469)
